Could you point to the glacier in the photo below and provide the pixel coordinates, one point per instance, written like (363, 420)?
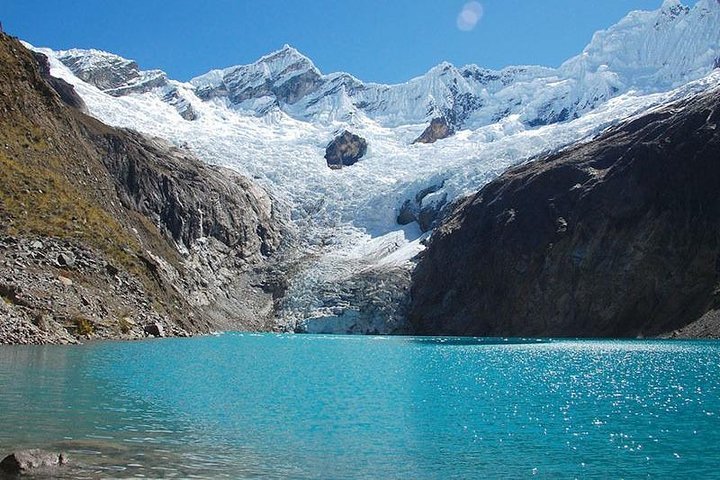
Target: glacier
(271, 120)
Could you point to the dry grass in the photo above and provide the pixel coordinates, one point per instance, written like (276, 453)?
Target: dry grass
(83, 326)
(38, 198)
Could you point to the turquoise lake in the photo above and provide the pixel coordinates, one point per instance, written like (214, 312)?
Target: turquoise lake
(334, 407)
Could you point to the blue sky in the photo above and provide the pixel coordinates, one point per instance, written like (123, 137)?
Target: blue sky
(376, 40)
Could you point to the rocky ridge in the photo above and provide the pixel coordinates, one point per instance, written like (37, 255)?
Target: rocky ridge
(118, 76)
(617, 237)
(105, 231)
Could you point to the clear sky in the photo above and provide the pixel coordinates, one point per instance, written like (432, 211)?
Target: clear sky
(376, 40)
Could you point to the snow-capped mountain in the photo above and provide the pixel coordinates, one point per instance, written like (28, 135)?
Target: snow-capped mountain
(646, 51)
(118, 76)
(272, 120)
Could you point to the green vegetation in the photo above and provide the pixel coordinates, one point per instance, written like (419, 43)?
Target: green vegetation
(37, 198)
(125, 325)
(83, 326)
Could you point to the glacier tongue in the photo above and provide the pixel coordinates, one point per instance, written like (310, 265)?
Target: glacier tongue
(272, 120)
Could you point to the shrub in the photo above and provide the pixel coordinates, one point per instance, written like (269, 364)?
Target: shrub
(83, 326)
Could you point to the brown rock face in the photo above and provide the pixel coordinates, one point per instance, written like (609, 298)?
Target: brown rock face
(437, 130)
(104, 230)
(345, 150)
(617, 237)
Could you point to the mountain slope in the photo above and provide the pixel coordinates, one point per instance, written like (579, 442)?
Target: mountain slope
(617, 237)
(105, 231)
(272, 121)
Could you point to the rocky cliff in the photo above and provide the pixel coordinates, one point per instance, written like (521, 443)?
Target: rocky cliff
(616, 237)
(104, 232)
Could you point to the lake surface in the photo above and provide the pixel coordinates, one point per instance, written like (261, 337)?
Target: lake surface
(332, 407)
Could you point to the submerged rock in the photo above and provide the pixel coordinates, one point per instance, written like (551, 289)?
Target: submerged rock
(26, 460)
(345, 150)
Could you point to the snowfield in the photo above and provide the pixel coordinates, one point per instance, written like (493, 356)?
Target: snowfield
(347, 219)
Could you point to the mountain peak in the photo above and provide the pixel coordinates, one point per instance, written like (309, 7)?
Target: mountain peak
(287, 54)
(289, 49)
(670, 4)
(672, 9)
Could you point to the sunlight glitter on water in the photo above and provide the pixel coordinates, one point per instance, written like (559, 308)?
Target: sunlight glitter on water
(278, 406)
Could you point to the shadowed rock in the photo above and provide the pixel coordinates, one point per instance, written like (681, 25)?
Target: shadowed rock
(66, 91)
(425, 208)
(154, 330)
(24, 461)
(437, 130)
(345, 150)
(616, 237)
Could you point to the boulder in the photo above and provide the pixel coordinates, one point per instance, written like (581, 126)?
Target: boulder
(345, 150)
(154, 330)
(438, 129)
(66, 259)
(24, 461)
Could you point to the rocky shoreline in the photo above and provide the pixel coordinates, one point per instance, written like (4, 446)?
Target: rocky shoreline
(55, 291)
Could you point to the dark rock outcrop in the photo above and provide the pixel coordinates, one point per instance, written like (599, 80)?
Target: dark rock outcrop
(419, 209)
(188, 199)
(25, 461)
(345, 150)
(154, 330)
(616, 237)
(181, 104)
(438, 129)
(66, 91)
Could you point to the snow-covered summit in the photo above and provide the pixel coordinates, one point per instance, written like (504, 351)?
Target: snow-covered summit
(655, 50)
(280, 78)
(271, 67)
(111, 73)
(118, 76)
(647, 51)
